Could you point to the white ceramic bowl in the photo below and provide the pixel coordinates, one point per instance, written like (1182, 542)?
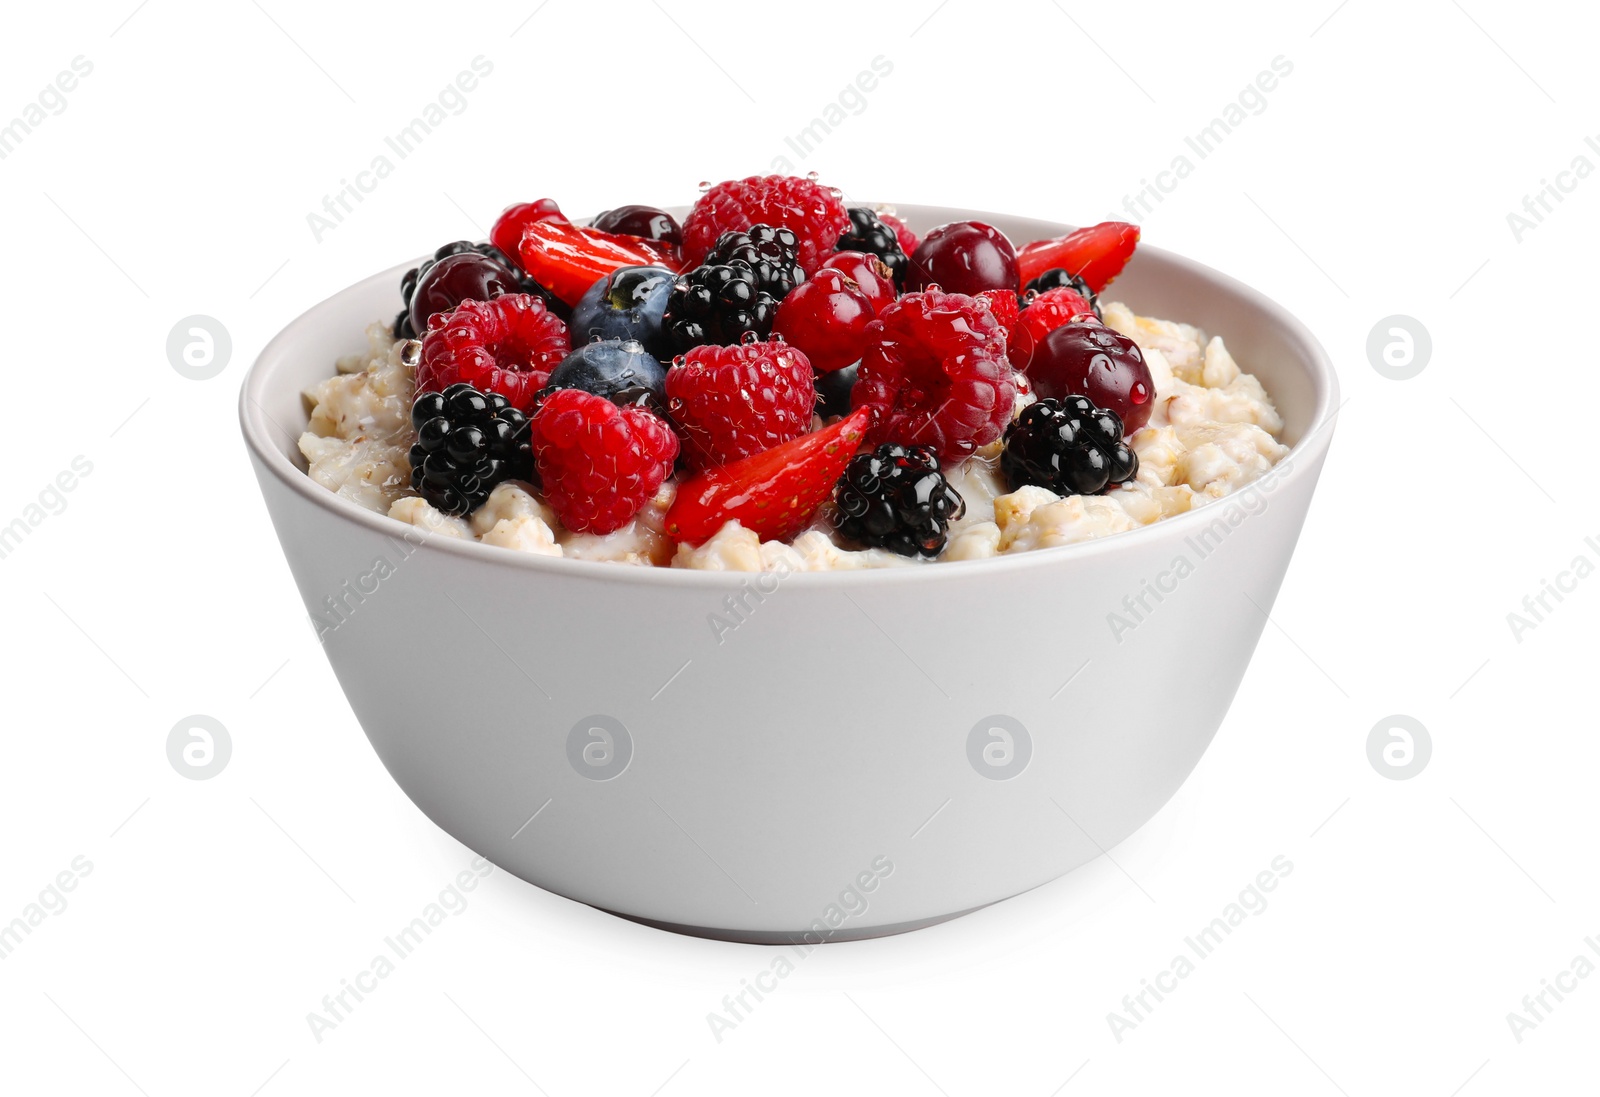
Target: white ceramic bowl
(866, 752)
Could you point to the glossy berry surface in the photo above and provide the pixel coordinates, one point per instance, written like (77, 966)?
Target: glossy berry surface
(508, 345)
(1096, 254)
(732, 402)
(405, 325)
(569, 259)
(963, 257)
(902, 231)
(833, 391)
(628, 303)
(467, 442)
(896, 498)
(736, 290)
(1087, 359)
(811, 211)
(507, 231)
(621, 370)
(646, 221)
(869, 274)
(1069, 446)
(775, 493)
(1042, 314)
(826, 318)
(935, 374)
(868, 234)
(1061, 278)
(599, 463)
(465, 276)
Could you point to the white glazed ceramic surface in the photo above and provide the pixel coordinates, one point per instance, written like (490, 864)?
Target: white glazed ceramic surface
(780, 782)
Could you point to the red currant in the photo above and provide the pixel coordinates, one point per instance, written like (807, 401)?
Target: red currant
(964, 257)
(1087, 359)
(827, 319)
(870, 274)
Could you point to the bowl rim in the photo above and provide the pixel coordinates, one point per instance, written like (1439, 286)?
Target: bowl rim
(1301, 461)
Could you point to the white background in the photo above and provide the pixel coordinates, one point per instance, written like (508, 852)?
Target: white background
(1377, 181)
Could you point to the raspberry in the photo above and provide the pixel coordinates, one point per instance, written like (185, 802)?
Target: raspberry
(508, 345)
(935, 374)
(1057, 278)
(812, 212)
(869, 235)
(599, 463)
(734, 402)
(1006, 306)
(1045, 312)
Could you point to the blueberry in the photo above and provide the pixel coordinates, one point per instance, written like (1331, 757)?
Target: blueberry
(618, 369)
(625, 304)
(833, 391)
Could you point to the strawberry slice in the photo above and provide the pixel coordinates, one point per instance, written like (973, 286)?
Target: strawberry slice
(507, 232)
(774, 492)
(567, 260)
(1096, 254)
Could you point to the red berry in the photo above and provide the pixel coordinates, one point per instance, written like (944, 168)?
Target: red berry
(1096, 254)
(599, 463)
(508, 345)
(812, 212)
(1044, 314)
(902, 231)
(731, 402)
(1094, 361)
(1005, 306)
(465, 276)
(963, 257)
(507, 231)
(826, 318)
(567, 259)
(773, 493)
(870, 274)
(935, 374)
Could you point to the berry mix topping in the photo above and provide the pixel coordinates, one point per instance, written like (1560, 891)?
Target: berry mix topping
(1069, 446)
(467, 442)
(801, 365)
(896, 498)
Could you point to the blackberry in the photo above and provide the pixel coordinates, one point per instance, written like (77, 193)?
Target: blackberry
(872, 236)
(1069, 446)
(896, 498)
(735, 290)
(403, 327)
(467, 442)
(1058, 278)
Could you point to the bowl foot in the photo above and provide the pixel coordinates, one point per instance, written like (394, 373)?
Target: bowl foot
(806, 936)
